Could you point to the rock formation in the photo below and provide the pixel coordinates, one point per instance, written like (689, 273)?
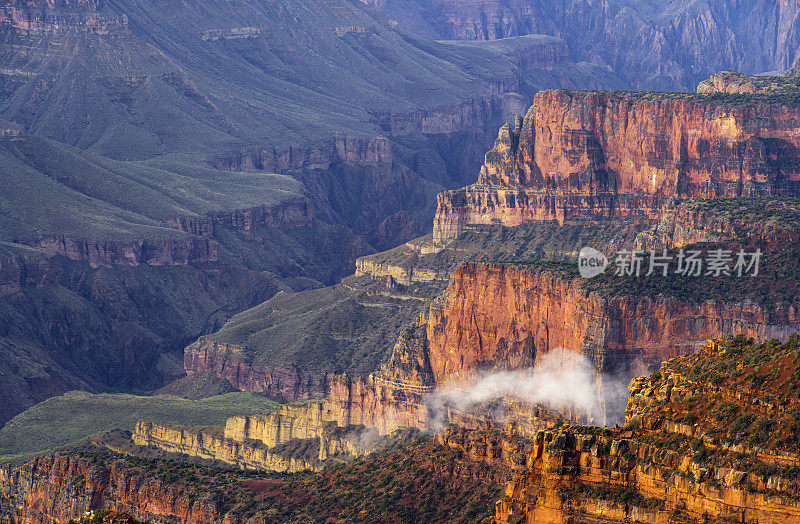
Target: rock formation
(686, 452)
(601, 155)
(503, 315)
(56, 488)
(211, 443)
(731, 82)
(770, 220)
(294, 437)
(230, 362)
(665, 45)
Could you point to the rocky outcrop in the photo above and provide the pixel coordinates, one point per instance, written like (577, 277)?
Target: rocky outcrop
(500, 316)
(601, 155)
(616, 478)
(169, 251)
(22, 268)
(501, 451)
(230, 362)
(57, 488)
(770, 220)
(306, 421)
(666, 46)
(474, 113)
(393, 396)
(297, 213)
(731, 82)
(211, 443)
(699, 446)
(341, 149)
(60, 17)
(294, 437)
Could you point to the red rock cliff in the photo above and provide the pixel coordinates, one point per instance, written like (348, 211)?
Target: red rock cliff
(588, 155)
(502, 316)
(57, 488)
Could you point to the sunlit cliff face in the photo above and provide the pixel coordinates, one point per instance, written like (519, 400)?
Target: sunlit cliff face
(592, 155)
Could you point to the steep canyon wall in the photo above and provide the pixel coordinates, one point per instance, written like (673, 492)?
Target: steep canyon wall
(599, 155)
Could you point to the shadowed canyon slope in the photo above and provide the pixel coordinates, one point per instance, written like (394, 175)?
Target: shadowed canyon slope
(662, 44)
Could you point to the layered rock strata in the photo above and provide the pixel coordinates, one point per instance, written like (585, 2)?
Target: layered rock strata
(230, 362)
(57, 488)
(686, 452)
(770, 220)
(502, 315)
(600, 155)
(297, 437)
(616, 478)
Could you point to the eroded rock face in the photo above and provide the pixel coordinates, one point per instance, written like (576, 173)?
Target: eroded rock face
(178, 251)
(230, 362)
(666, 45)
(387, 399)
(211, 443)
(500, 316)
(691, 223)
(372, 152)
(34, 19)
(57, 488)
(600, 155)
(296, 213)
(641, 482)
(686, 450)
(293, 437)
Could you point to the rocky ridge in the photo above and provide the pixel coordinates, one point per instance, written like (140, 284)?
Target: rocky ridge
(291, 438)
(455, 481)
(685, 453)
(668, 45)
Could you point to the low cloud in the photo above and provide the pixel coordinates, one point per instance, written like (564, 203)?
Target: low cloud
(561, 380)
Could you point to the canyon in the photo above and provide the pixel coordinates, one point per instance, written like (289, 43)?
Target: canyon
(180, 125)
(664, 45)
(684, 453)
(469, 317)
(280, 198)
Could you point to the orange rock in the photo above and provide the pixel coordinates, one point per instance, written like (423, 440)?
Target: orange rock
(597, 155)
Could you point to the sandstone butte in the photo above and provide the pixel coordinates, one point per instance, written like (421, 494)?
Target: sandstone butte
(579, 156)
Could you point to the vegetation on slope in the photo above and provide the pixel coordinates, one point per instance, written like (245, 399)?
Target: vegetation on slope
(750, 392)
(334, 328)
(776, 284)
(424, 482)
(764, 213)
(68, 418)
(728, 100)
